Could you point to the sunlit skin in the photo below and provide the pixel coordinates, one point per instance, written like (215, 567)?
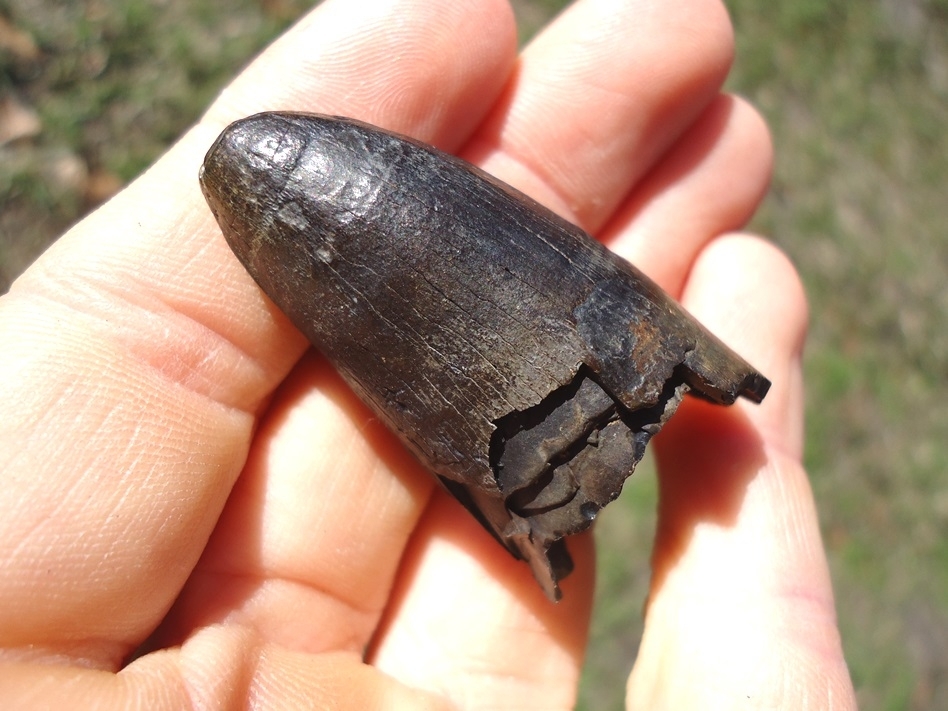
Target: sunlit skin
(196, 512)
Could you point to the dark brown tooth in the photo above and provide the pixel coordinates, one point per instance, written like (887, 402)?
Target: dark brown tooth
(523, 363)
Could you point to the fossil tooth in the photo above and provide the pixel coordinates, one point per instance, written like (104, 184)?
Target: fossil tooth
(524, 364)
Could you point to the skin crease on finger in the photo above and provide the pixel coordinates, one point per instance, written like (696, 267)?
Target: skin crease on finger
(207, 305)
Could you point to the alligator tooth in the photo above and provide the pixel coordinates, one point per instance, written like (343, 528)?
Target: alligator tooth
(522, 362)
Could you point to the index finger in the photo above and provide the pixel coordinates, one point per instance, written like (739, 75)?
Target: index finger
(138, 351)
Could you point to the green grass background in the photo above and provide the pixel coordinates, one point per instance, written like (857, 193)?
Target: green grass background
(857, 98)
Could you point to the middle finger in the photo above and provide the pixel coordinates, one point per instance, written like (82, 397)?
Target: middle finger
(600, 96)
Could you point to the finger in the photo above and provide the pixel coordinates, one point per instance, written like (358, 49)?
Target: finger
(588, 174)
(709, 183)
(222, 667)
(741, 609)
(336, 516)
(308, 546)
(469, 623)
(138, 350)
(600, 96)
(430, 70)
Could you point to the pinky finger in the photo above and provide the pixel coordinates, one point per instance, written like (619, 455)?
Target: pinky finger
(741, 610)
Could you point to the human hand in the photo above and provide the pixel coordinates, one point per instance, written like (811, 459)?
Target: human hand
(188, 488)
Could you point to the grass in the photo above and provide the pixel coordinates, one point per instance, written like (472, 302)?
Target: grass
(857, 98)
